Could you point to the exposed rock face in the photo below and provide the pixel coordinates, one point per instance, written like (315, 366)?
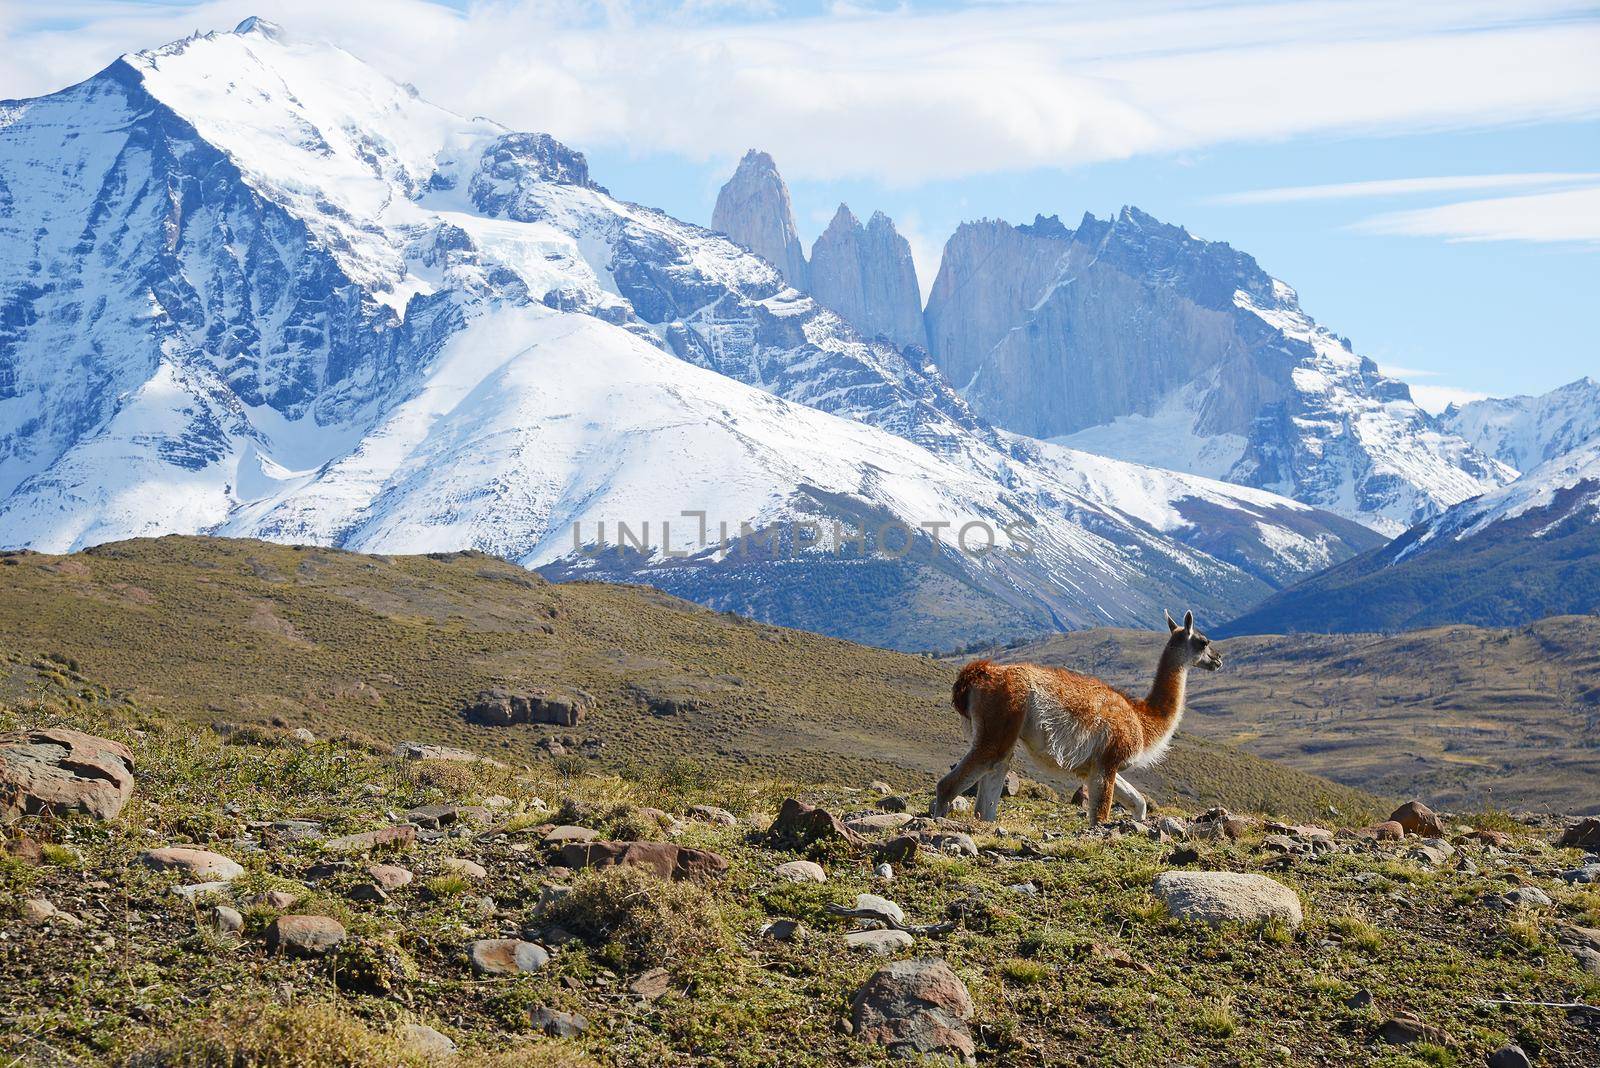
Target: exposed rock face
(497, 708)
(1142, 342)
(58, 770)
(990, 275)
(865, 273)
(753, 208)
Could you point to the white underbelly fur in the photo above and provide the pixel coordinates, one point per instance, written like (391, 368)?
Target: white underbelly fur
(1056, 739)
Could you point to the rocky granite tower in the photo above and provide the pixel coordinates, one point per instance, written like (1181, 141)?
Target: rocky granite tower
(865, 273)
(990, 275)
(753, 208)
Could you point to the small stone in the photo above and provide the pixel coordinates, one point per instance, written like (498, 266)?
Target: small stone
(506, 956)
(225, 919)
(304, 936)
(784, 930)
(712, 814)
(276, 899)
(400, 836)
(303, 736)
(1418, 819)
(881, 908)
(196, 863)
(666, 859)
(1173, 827)
(560, 836)
(1585, 834)
(371, 893)
(1509, 1056)
(1028, 889)
(801, 871)
(558, 1024)
(882, 943)
(462, 866)
(961, 804)
(879, 786)
(1526, 897)
(1431, 851)
(1220, 896)
(879, 821)
(198, 890)
(893, 803)
(1359, 1000)
(37, 910)
(651, 984)
(1588, 873)
(884, 872)
(425, 1042)
(1404, 1030)
(389, 876)
(1387, 831)
(915, 1008)
(958, 843)
(901, 849)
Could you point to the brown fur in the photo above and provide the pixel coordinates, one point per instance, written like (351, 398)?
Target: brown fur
(1072, 722)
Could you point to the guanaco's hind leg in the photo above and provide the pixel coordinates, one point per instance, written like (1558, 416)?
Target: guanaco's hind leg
(990, 789)
(996, 724)
(1131, 799)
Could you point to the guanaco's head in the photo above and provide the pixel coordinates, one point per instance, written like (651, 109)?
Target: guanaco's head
(1193, 647)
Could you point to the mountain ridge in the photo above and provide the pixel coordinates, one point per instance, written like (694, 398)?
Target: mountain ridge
(381, 325)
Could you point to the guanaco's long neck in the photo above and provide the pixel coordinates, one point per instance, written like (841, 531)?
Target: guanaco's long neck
(1167, 692)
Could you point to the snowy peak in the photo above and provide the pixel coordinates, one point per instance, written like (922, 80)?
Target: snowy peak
(1527, 431)
(257, 25)
(1559, 490)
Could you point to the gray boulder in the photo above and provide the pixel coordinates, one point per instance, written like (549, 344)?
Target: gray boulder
(1224, 896)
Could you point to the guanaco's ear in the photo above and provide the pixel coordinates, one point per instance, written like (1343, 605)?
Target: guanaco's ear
(1188, 622)
(1171, 626)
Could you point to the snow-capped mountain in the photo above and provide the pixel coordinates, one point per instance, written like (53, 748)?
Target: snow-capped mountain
(1131, 338)
(1527, 431)
(1515, 554)
(250, 286)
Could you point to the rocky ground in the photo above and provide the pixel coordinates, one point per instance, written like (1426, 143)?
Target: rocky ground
(268, 897)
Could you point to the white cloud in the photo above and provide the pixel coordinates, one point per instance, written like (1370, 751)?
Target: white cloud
(1390, 187)
(1435, 399)
(1571, 215)
(905, 96)
(1431, 397)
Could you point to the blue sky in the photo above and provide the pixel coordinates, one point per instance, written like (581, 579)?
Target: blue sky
(1480, 280)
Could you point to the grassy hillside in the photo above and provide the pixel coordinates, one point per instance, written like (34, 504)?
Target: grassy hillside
(394, 647)
(1068, 956)
(1462, 715)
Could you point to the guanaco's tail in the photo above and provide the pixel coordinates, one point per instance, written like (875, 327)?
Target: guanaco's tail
(977, 675)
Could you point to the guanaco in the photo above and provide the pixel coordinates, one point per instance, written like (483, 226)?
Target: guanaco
(1070, 722)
